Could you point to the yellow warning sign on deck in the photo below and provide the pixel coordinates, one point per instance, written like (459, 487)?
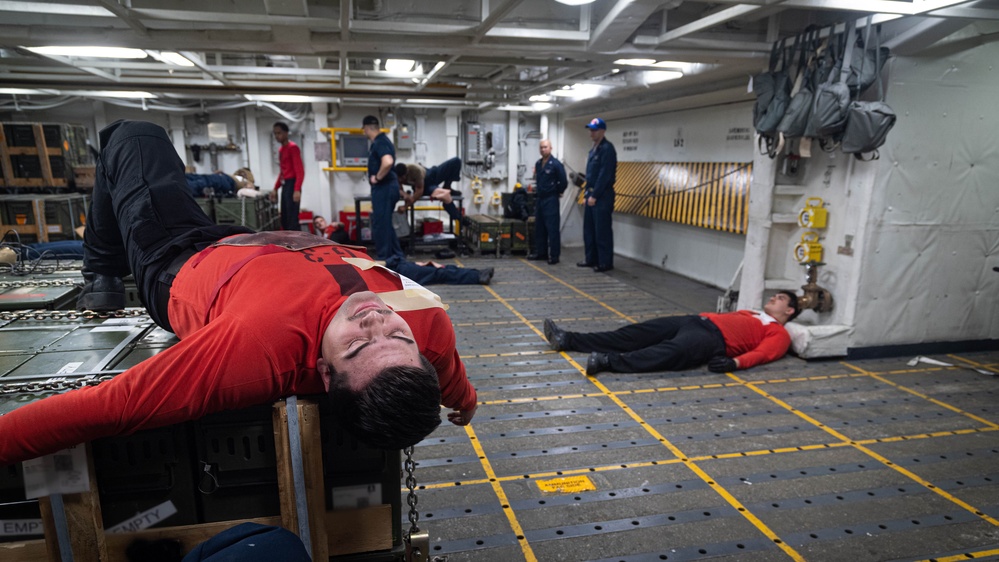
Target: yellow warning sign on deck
(566, 485)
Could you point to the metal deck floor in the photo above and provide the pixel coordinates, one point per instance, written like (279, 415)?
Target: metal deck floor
(795, 460)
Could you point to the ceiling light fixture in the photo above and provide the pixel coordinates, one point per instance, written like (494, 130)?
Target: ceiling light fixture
(575, 2)
(636, 62)
(435, 101)
(89, 52)
(656, 76)
(27, 92)
(399, 66)
(125, 94)
(670, 64)
(540, 98)
(579, 91)
(286, 98)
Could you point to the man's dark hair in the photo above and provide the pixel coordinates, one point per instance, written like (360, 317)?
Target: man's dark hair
(400, 170)
(282, 125)
(792, 301)
(369, 120)
(398, 408)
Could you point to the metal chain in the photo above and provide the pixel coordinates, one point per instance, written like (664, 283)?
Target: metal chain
(40, 283)
(52, 385)
(414, 515)
(242, 211)
(11, 315)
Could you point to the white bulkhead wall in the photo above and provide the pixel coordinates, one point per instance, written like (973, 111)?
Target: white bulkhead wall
(913, 236)
(933, 232)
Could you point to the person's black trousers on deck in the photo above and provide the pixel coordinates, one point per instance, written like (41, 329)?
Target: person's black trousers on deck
(672, 343)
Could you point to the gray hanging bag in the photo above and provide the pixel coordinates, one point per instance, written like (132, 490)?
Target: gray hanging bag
(868, 60)
(773, 92)
(868, 122)
(832, 100)
(800, 108)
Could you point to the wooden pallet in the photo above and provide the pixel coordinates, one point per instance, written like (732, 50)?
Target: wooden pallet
(46, 180)
(34, 223)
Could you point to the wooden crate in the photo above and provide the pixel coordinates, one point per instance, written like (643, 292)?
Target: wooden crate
(41, 155)
(43, 218)
(84, 177)
(360, 531)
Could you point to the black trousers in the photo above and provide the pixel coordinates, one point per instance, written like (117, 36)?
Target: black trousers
(547, 237)
(142, 216)
(289, 207)
(673, 343)
(446, 173)
(598, 232)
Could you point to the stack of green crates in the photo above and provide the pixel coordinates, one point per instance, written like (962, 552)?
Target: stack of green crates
(484, 233)
(258, 214)
(518, 235)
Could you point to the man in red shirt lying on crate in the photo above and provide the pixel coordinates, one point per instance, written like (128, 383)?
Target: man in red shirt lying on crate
(726, 342)
(260, 316)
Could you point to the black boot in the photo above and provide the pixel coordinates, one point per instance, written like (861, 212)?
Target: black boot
(556, 336)
(485, 276)
(104, 293)
(597, 363)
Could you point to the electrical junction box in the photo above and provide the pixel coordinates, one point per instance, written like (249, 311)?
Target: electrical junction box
(475, 144)
(404, 137)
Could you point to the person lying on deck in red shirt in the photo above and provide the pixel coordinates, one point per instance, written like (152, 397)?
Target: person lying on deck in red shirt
(726, 342)
(260, 316)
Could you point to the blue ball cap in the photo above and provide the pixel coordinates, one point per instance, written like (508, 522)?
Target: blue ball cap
(597, 123)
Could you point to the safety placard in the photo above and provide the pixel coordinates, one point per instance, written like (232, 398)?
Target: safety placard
(567, 485)
(64, 472)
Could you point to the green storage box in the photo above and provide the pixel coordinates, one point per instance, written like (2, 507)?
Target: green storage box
(518, 235)
(484, 233)
(258, 214)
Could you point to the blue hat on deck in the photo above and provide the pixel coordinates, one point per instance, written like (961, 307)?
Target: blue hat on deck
(597, 123)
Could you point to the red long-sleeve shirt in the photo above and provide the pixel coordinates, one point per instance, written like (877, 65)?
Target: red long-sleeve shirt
(290, 158)
(752, 338)
(255, 341)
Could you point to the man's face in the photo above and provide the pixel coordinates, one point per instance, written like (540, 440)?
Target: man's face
(546, 149)
(280, 135)
(778, 305)
(319, 223)
(596, 135)
(370, 131)
(365, 337)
